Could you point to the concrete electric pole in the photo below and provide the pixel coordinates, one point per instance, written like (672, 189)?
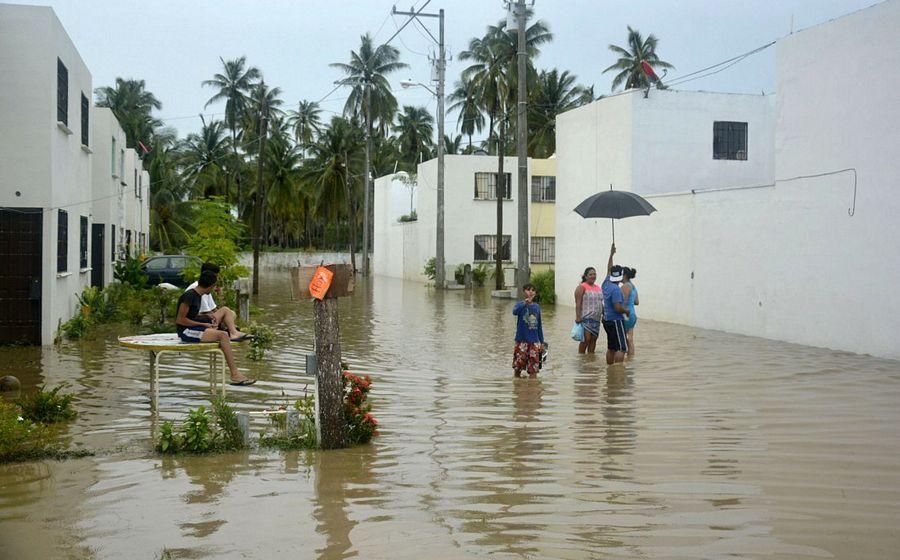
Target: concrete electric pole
(260, 195)
(524, 270)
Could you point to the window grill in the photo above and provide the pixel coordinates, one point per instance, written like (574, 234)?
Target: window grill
(486, 248)
(85, 120)
(83, 246)
(486, 186)
(62, 92)
(112, 158)
(543, 250)
(112, 243)
(62, 241)
(730, 140)
(543, 188)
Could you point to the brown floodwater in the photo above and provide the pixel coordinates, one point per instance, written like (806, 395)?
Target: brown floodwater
(708, 445)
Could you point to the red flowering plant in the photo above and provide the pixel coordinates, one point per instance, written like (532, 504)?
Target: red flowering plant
(361, 425)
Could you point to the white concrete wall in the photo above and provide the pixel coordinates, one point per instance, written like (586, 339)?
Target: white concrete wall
(108, 194)
(401, 249)
(783, 261)
(41, 160)
(290, 259)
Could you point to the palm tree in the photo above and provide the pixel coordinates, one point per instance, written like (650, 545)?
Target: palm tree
(233, 85)
(250, 120)
(452, 145)
(306, 122)
(464, 98)
(170, 213)
(494, 71)
(629, 65)
(415, 130)
(371, 66)
(555, 93)
(282, 191)
(133, 106)
(203, 156)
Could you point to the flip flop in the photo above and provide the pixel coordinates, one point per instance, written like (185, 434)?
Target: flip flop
(242, 338)
(243, 383)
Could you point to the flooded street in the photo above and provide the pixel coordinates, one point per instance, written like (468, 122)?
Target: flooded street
(708, 445)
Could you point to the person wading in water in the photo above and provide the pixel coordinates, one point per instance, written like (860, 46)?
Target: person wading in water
(588, 303)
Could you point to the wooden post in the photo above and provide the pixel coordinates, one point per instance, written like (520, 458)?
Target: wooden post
(244, 425)
(330, 427)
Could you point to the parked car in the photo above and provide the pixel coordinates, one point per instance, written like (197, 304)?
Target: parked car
(168, 268)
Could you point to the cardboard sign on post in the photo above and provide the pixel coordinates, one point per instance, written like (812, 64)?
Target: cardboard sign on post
(320, 283)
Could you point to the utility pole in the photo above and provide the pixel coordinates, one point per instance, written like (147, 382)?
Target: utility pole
(524, 271)
(368, 88)
(439, 264)
(260, 195)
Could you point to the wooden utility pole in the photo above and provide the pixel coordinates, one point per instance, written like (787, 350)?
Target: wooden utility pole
(524, 270)
(260, 194)
(501, 193)
(330, 425)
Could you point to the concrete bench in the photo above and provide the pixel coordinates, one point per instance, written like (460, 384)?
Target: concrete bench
(159, 344)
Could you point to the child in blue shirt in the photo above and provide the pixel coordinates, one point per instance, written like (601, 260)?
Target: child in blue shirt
(529, 334)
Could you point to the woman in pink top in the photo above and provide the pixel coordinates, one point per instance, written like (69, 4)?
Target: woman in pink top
(588, 306)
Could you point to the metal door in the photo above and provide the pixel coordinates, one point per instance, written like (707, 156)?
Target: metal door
(20, 275)
(98, 265)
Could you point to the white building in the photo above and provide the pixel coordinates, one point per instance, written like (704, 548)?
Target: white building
(785, 226)
(401, 249)
(47, 176)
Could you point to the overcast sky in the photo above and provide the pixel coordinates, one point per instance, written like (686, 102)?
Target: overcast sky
(175, 45)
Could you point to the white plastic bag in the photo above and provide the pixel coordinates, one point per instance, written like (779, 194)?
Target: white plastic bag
(578, 332)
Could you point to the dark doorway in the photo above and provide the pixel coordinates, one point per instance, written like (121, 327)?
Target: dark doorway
(20, 275)
(98, 265)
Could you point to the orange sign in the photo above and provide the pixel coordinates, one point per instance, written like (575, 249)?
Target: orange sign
(320, 282)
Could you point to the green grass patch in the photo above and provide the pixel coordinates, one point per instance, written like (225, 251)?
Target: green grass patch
(47, 407)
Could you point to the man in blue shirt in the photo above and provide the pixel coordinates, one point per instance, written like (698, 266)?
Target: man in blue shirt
(614, 312)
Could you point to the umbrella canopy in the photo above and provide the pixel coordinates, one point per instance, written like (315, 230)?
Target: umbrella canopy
(614, 204)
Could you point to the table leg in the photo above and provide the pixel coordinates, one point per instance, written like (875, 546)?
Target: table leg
(224, 369)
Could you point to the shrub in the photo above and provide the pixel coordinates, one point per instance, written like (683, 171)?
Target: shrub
(199, 434)
(361, 425)
(460, 274)
(544, 284)
(76, 327)
(169, 440)
(20, 438)
(411, 217)
(263, 337)
(479, 274)
(47, 407)
(429, 269)
(162, 302)
(215, 240)
(129, 272)
(230, 434)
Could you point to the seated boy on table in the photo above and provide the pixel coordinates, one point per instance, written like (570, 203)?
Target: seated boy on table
(224, 317)
(195, 327)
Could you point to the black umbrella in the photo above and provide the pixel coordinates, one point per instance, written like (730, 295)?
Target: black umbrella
(615, 205)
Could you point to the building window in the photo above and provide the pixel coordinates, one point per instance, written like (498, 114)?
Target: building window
(62, 92)
(122, 164)
(62, 241)
(112, 158)
(543, 250)
(543, 188)
(486, 248)
(85, 120)
(729, 140)
(83, 246)
(486, 186)
(128, 242)
(143, 237)
(141, 186)
(136, 191)
(112, 242)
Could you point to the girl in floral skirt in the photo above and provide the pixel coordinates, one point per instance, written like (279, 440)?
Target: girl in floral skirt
(529, 334)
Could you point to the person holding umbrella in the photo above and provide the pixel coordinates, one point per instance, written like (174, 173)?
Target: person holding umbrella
(614, 312)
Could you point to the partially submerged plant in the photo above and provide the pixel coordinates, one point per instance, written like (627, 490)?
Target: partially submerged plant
(47, 407)
(263, 338)
(201, 433)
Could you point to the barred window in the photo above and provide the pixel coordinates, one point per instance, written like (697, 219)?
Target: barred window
(62, 92)
(730, 140)
(486, 248)
(136, 191)
(85, 120)
(543, 188)
(543, 250)
(122, 165)
(62, 241)
(83, 245)
(112, 243)
(486, 186)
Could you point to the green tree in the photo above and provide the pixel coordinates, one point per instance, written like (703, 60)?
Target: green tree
(371, 65)
(415, 130)
(133, 107)
(283, 195)
(464, 99)
(629, 65)
(203, 158)
(232, 86)
(306, 122)
(555, 93)
(215, 239)
(452, 145)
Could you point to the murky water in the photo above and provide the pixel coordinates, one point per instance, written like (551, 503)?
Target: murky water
(709, 445)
